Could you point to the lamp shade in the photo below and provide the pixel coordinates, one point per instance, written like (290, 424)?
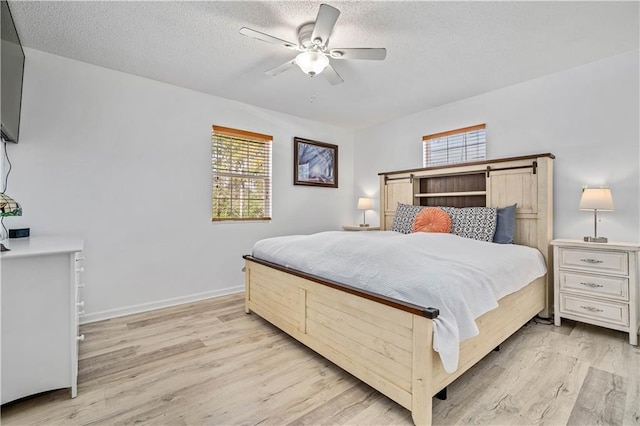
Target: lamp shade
(9, 206)
(365, 203)
(596, 199)
(311, 62)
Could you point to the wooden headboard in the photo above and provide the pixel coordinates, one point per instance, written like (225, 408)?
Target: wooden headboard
(526, 180)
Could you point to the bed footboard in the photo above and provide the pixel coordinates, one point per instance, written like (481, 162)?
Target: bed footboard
(385, 347)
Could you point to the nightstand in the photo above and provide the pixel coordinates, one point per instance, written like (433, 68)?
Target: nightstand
(597, 283)
(360, 228)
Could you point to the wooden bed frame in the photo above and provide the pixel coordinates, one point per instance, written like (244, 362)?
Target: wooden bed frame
(388, 343)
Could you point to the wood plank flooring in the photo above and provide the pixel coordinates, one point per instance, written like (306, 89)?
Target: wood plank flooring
(210, 363)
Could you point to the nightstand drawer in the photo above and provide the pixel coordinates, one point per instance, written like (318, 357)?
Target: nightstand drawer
(611, 286)
(592, 260)
(611, 312)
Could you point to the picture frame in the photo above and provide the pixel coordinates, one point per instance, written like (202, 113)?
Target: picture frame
(315, 163)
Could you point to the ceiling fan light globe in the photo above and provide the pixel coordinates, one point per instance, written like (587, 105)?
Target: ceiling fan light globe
(312, 63)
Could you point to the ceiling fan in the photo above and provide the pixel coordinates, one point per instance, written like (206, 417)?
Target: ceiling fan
(313, 45)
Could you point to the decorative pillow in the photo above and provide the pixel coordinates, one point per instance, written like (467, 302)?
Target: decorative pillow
(432, 219)
(403, 220)
(452, 212)
(478, 223)
(506, 225)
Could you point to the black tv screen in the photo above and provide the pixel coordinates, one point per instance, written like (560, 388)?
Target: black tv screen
(12, 71)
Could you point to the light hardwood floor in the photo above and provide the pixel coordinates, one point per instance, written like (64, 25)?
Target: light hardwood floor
(210, 363)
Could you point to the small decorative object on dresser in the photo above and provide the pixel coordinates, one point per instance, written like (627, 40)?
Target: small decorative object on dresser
(8, 207)
(597, 284)
(360, 228)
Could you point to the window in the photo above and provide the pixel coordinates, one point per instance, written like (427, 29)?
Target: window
(241, 164)
(454, 146)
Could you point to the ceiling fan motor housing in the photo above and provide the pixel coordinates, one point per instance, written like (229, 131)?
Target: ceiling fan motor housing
(304, 37)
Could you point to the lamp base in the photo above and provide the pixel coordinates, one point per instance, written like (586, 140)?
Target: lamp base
(596, 239)
(364, 225)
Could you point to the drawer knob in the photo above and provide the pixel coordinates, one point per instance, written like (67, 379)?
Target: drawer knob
(80, 304)
(591, 261)
(81, 285)
(591, 285)
(80, 312)
(80, 269)
(78, 259)
(81, 338)
(591, 309)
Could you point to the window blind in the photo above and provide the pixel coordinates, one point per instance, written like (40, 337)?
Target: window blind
(241, 166)
(455, 146)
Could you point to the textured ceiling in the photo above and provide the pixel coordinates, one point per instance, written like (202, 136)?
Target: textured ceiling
(437, 52)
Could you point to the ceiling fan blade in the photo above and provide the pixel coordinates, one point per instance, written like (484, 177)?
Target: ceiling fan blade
(359, 53)
(326, 19)
(266, 37)
(282, 67)
(331, 75)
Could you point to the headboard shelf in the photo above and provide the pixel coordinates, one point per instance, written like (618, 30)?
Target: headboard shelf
(453, 183)
(452, 194)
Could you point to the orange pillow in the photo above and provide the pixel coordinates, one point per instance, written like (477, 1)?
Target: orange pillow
(432, 219)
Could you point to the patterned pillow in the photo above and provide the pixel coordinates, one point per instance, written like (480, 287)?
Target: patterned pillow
(478, 223)
(405, 214)
(432, 219)
(452, 212)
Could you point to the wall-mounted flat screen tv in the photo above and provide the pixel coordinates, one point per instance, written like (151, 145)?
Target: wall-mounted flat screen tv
(12, 71)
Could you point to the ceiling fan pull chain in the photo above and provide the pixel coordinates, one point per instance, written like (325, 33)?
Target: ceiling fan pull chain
(313, 90)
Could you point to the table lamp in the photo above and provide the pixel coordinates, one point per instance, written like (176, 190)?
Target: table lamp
(8, 207)
(364, 204)
(596, 199)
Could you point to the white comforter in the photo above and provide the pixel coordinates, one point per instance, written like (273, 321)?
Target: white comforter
(461, 277)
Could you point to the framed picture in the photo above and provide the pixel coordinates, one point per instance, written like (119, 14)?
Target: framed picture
(315, 163)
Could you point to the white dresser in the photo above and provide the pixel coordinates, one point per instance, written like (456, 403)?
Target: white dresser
(40, 309)
(597, 283)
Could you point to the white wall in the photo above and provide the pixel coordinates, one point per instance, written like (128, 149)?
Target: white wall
(124, 162)
(587, 116)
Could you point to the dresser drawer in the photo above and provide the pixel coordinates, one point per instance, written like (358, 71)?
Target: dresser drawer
(595, 260)
(611, 312)
(596, 285)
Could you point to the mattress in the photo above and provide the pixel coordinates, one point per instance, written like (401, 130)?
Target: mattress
(461, 277)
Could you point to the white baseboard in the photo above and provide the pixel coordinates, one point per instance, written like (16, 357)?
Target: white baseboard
(144, 307)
